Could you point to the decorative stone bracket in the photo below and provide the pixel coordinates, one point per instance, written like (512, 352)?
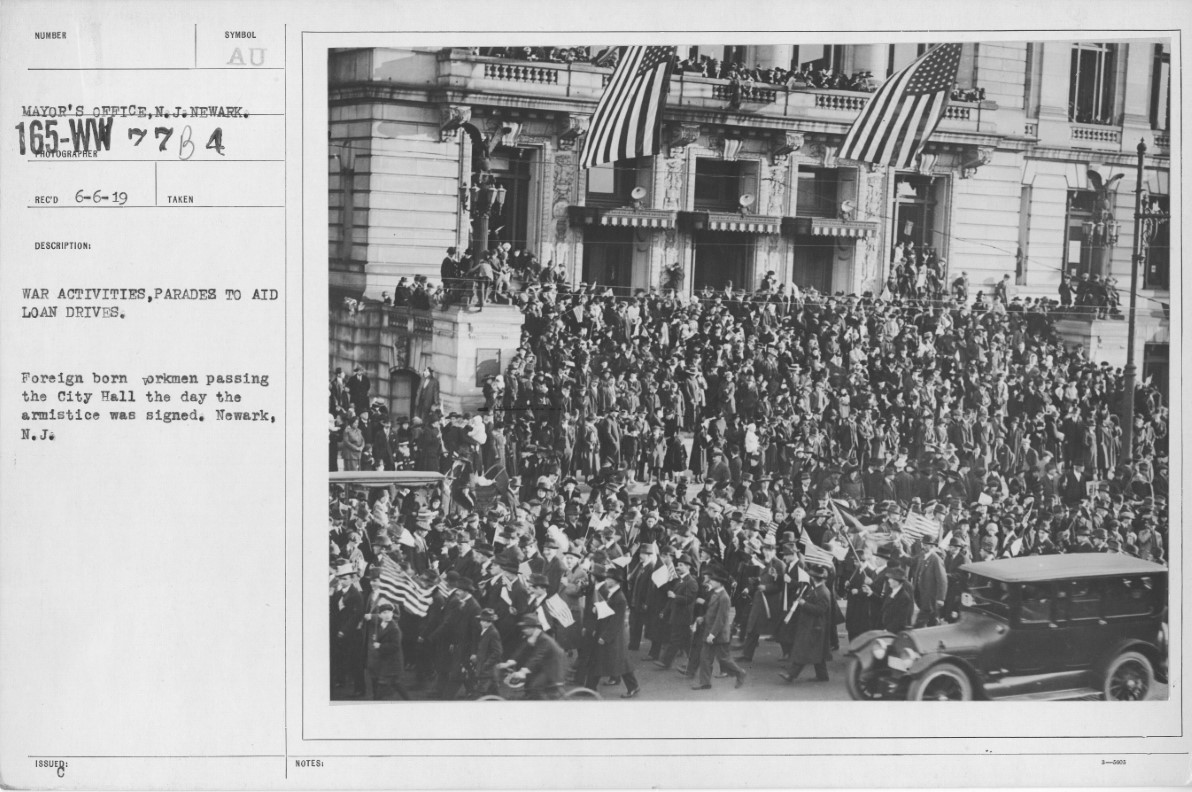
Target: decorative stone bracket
(983, 156)
(451, 118)
(571, 127)
(681, 136)
(787, 145)
(500, 131)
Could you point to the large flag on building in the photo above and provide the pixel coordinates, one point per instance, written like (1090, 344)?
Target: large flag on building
(627, 122)
(402, 590)
(894, 126)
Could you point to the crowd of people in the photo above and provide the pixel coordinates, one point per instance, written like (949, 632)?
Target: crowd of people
(682, 471)
(808, 75)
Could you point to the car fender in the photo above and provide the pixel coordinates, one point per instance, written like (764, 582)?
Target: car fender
(865, 639)
(925, 662)
(1145, 648)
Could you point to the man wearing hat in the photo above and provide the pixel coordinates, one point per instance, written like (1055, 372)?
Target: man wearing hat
(645, 601)
(539, 660)
(555, 568)
(609, 627)
(897, 605)
(507, 595)
(717, 627)
(347, 614)
(767, 599)
(453, 639)
(813, 622)
(930, 582)
(358, 387)
(385, 662)
(467, 562)
(681, 595)
(488, 653)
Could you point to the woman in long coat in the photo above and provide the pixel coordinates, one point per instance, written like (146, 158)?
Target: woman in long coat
(611, 657)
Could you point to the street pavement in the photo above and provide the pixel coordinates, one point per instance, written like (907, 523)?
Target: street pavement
(762, 684)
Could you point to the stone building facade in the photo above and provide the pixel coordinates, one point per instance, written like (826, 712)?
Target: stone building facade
(748, 182)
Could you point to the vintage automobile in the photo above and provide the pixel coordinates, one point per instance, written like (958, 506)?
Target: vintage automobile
(1037, 627)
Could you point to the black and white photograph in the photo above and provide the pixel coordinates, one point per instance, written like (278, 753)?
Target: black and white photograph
(742, 372)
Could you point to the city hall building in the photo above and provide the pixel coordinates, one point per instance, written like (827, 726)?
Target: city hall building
(748, 182)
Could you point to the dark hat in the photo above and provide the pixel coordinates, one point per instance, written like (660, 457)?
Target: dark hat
(717, 573)
(385, 606)
(896, 572)
(540, 580)
(488, 615)
(529, 621)
(465, 584)
(685, 559)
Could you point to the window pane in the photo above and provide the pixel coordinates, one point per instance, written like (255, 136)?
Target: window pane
(817, 192)
(1035, 605)
(601, 179)
(1129, 596)
(717, 184)
(1079, 600)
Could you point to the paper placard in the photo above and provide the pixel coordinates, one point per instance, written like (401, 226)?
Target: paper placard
(622, 561)
(661, 575)
(603, 611)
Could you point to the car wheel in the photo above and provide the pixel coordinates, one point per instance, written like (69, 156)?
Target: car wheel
(1130, 677)
(943, 682)
(859, 688)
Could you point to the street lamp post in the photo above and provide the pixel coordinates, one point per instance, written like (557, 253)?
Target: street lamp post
(1145, 224)
(1135, 263)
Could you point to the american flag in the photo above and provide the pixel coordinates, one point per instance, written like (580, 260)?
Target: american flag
(627, 122)
(559, 611)
(402, 590)
(895, 124)
(917, 526)
(814, 554)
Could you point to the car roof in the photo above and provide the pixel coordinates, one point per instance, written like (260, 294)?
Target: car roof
(383, 478)
(1029, 569)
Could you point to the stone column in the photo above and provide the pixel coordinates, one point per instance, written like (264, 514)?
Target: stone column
(775, 55)
(1137, 101)
(871, 57)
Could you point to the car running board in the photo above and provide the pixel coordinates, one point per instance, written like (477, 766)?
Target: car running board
(1071, 694)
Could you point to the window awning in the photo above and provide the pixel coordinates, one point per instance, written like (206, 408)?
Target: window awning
(830, 227)
(638, 218)
(745, 224)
